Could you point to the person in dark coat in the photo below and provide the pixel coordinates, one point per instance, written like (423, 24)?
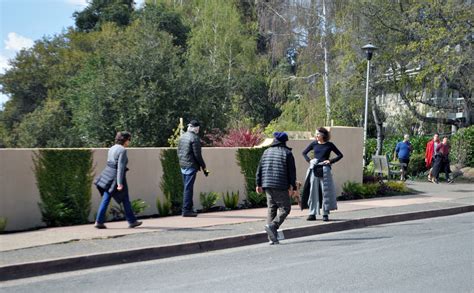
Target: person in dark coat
(112, 182)
(276, 176)
(442, 162)
(190, 161)
(319, 185)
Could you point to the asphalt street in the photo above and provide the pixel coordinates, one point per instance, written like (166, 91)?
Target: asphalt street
(431, 255)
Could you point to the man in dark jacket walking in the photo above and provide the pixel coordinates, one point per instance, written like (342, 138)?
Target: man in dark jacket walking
(190, 161)
(276, 176)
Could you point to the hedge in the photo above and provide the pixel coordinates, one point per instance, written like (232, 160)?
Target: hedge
(248, 160)
(462, 147)
(172, 182)
(64, 178)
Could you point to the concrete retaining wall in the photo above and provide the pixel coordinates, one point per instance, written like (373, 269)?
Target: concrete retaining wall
(19, 196)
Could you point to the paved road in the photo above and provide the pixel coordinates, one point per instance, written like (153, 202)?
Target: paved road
(432, 255)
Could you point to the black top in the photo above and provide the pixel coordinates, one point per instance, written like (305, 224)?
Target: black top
(322, 151)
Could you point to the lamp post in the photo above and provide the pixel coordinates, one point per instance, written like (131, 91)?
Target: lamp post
(369, 50)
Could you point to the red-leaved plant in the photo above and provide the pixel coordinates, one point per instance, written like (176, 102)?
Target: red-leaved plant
(241, 137)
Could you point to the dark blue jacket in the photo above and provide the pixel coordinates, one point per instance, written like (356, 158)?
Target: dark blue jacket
(277, 167)
(403, 149)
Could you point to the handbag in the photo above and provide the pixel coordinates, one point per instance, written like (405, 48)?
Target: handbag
(318, 171)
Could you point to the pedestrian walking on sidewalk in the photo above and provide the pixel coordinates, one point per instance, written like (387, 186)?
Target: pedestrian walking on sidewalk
(190, 161)
(430, 154)
(319, 190)
(276, 176)
(442, 162)
(112, 182)
(402, 152)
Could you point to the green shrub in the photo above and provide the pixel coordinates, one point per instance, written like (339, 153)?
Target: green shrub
(256, 200)
(369, 169)
(397, 186)
(171, 181)
(352, 190)
(370, 147)
(3, 224)
(64, 179)
(208, 200)
(138, 206)
(164, 209)
(417, 164)
(369, 190)
(231, 201)
(248, 160)
(462, 147)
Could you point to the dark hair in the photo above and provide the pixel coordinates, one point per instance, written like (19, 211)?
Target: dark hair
(122, 137)
(324, 133)
(436, 133)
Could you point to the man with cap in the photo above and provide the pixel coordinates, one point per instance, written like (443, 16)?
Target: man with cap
(190, 161)
(276, 176)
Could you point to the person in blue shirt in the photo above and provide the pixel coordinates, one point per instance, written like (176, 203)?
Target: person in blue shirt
(403, 151)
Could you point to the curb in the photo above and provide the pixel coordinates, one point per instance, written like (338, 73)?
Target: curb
(52, 266)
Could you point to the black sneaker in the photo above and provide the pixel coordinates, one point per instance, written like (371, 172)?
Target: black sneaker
(100, 226)
(325, 218)
(135, 224)
(191, 214)
(272, 232)
(311, 218)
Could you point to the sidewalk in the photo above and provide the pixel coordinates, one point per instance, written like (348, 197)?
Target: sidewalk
(53, 250)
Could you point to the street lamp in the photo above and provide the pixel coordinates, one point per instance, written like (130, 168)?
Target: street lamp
(369, 50)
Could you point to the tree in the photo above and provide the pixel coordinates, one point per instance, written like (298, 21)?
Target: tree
(220, 55)
(47, 126)
(99, 12)
(35, 75)
(128, 83)
(425, 54)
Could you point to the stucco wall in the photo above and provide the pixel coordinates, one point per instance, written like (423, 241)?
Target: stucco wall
(19, 196)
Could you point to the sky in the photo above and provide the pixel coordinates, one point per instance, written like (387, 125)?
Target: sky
(22, 22)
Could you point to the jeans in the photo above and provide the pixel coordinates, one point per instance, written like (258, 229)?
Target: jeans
(106, 197)
(189, 176)
(315, 193)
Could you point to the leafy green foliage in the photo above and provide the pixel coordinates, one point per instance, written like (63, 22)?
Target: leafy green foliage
(64, 179)
(164, 208)
(462, 147)
(138, 206)
(248, 160)
(417, 164)
(99, 12)
(256, 200)
(231, 201)
(171, 182)
(218, 62)
(397, 186)
(208, 200)
(375, 188)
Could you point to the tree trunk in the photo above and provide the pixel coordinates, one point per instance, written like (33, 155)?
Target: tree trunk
(379, 127)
